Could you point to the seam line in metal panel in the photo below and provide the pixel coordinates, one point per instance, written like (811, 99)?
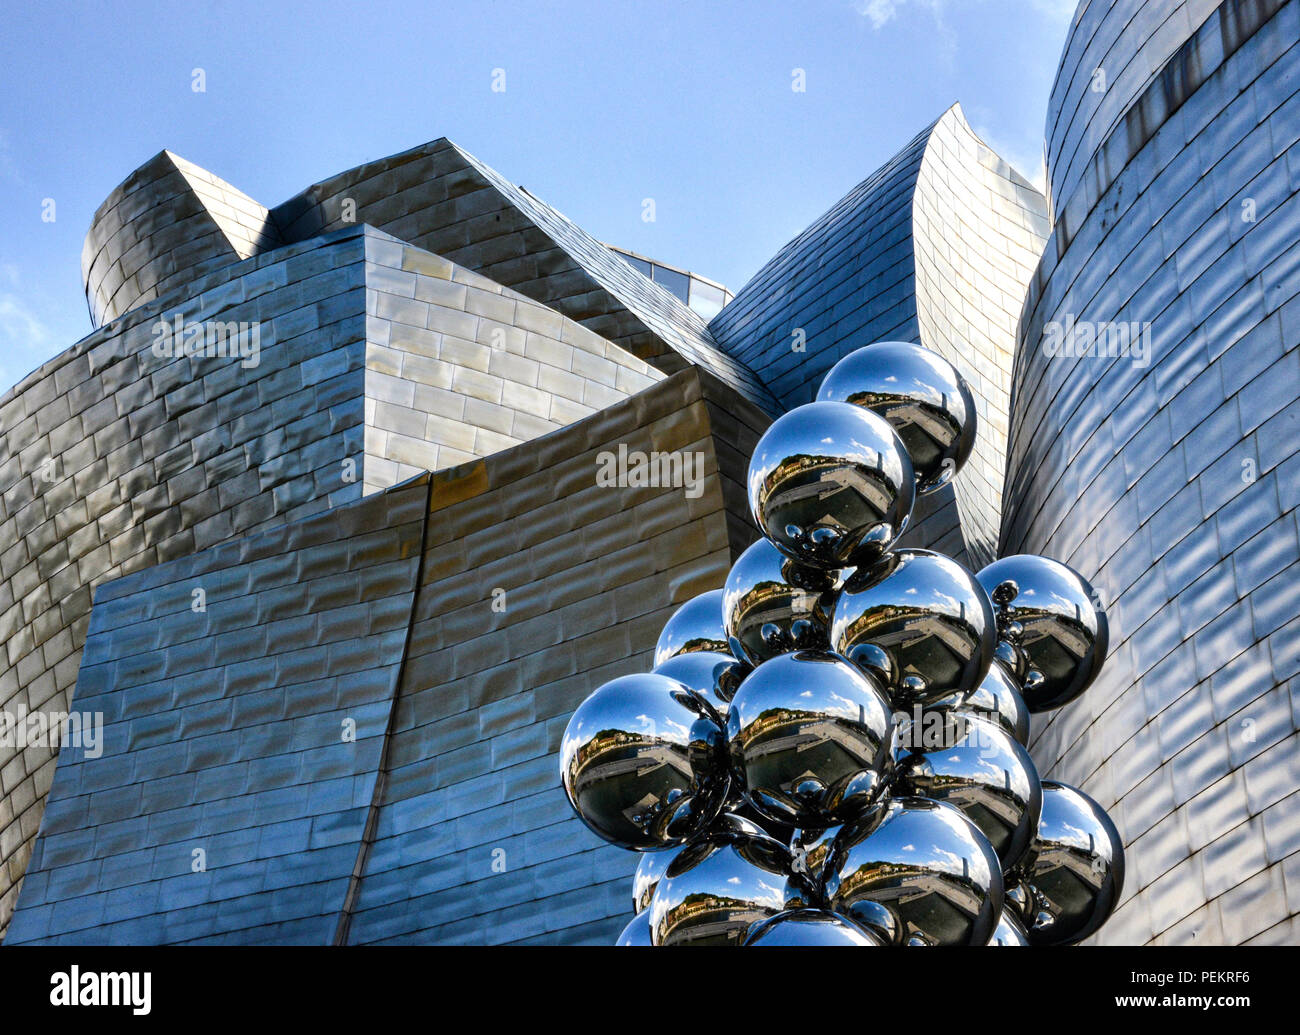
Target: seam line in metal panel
(343, 929)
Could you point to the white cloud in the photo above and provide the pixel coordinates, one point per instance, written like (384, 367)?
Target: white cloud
(25, 340)
(881, 12)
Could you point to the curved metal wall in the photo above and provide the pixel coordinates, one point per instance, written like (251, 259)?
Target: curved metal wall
(1113, 51)
(1170, 478)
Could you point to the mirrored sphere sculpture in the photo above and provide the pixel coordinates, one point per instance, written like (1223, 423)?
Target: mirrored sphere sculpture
(996, 699)
(714, 677)
(815, 928)
(696, 625)
(810, 739)
(1009, 931)
(831, 485)
(981, 769)
(1074, 870)
(1048, 615)
(717, 887)
(773, 605)
(637, 931)
(649, 869)
(922, 397)
(642, 762)
(917, 621)
(923, 866)
(832, 748)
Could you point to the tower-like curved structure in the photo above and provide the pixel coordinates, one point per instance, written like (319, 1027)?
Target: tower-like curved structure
(1154, 448)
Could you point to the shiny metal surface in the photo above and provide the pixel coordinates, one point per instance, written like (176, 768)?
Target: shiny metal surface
(649, 869)
(981, 769)
(814, 928)
(922, 396)
(717, 887)
(1074, 869)
(831, 485)
(1167, 475)
(810, 739)
(1009, 930)
(1016, 899)
(637, 931)
(696, 625)
(996, 698)
(642, 762)
(811, 846)
(922, 875)
(919, 622)
(715, 677)
(1049, 613)
(773, 605)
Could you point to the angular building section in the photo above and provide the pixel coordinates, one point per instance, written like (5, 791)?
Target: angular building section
(352, 739)
(169, 223)
(935, 247)
(368, 361)
(440, 198)
(1154, 448)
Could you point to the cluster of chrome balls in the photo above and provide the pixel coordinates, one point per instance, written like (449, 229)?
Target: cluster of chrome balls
(831, 749)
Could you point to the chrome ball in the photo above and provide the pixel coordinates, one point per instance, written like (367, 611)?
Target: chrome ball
(982, 770)
(920, 394)
(649, 870)
(919, 623)
(810, 739)
(642, 762)
(772, 605)
(1050, 617)
(815, 928)
(921, 875)
(997, 699)
(637, 931)
(714, 677)
(696, 625)
(1009, 930)
(831, 485)
(1074, 869)
(718, 886)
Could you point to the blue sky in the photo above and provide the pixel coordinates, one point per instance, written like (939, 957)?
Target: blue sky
(606, 103)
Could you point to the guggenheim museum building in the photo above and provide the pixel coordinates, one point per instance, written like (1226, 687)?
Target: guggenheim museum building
(324, 597)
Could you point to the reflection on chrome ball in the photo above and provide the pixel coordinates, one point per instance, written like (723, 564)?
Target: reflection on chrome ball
(696, 625)
(1074, 869)
(831, 485)
(809, 927)
(918, 622)
(1050, 619)
(718, 886)
(714, 677)
(643, 762)
(921, 875)
(982, 770)
(920, 394)
(772, 605)
(810, 739)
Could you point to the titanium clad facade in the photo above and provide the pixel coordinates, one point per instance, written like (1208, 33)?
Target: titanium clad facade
(368, 640)
(411, 574)
(375, 361)
(1170, 478)
(242, 737)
